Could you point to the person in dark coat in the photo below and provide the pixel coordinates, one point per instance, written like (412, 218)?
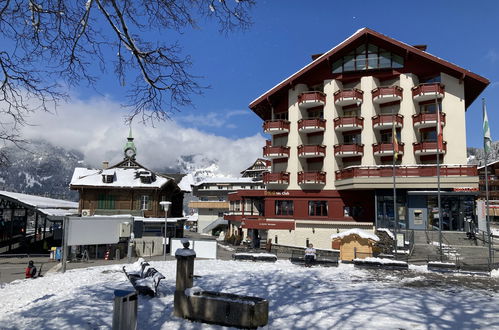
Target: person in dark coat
(310, 255)
(30, 270)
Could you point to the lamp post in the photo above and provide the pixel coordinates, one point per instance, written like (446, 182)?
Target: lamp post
(166, 206)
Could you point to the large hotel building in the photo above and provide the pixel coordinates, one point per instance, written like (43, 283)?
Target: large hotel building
(330, 128)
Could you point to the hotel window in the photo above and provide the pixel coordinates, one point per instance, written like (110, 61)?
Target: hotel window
(351, 112)
(317, 208)
(367, 57)
(429, 136)
(284, 207)
(281, 116)
(351, 139)
(318, 113)
(430, 107)
(386, 136)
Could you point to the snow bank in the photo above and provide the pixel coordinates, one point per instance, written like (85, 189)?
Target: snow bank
(356, 231)
(383, 261)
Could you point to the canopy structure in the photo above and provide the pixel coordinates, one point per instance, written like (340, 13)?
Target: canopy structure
(24, 217)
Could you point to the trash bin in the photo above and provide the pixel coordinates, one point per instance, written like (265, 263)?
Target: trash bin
(58, 254)
(125, 310)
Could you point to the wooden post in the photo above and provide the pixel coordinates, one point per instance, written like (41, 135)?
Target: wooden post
(36, 225)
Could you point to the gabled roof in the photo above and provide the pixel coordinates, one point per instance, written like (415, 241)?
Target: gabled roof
(124, 178)
(47, 206)
(474, 84)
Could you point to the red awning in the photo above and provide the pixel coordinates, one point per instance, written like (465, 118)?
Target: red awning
(263, 224)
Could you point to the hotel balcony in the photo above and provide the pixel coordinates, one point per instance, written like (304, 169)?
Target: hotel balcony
(311, 99)
(281, 178)
(387, 94)
(311, 125)
(348, 150)
(386, 149)
(276, 126)
(312, 178)
(275, 152)
(429, 148)
(423, 120)
(348, 97)
(387, 121)
(415, 171)
(343, 124)
(425, 92)
(311, 151)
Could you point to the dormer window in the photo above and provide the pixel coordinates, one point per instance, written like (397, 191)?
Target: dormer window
(146, 176)
(368, 57)
(108, 176)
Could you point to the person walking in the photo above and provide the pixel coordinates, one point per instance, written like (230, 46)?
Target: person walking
(30, 270)
(310, 255)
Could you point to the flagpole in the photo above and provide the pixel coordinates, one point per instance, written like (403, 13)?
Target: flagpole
(438, 180)
(486, 141)
(394, 140)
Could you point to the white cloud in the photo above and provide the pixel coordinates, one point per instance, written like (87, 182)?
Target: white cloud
(97, 129)
(211, 119)
(492, 56)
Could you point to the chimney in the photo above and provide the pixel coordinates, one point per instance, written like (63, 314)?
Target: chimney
(105, 165)
(421, 47)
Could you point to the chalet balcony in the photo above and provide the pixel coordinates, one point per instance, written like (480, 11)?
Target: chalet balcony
(311, 178)
(343, 124)
(281, 178)
(387, 121)
(311, 99)
(387, 94)
(275, 152)
(424, 120)
(425, 92)
(311, 125)
(348, 97)
(406, 171)
(348, 150)
(311, 151)
(276, 126)
(429, 148)
(386, 149)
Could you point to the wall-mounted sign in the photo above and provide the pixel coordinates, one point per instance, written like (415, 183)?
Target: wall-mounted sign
(465, 189)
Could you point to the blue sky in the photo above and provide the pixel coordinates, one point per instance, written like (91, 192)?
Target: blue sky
(242, 65)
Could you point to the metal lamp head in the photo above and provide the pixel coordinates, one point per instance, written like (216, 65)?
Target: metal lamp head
(165, 205)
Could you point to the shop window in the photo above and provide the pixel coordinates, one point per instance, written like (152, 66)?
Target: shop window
(283, 207)
(352, 211)
(317, 208)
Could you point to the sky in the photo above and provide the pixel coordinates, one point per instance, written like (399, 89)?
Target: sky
(242, 65)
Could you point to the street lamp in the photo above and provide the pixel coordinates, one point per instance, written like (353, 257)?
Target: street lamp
(166, 206)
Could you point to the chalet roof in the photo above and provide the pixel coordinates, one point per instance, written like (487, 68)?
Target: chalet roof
(45, 205)
(223, 180)
(124, 178)
(265, 162)
(474, 84)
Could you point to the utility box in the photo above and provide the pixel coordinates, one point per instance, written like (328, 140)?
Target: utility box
(125, 310)
(125, 229)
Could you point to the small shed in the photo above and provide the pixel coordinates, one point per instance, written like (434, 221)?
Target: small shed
(354, 243)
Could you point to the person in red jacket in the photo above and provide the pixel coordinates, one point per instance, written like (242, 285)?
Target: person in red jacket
(30, 270)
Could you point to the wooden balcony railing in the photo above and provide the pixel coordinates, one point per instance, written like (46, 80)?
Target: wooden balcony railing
(313, 96)
(431, 88)
(354, 93)
(349, 121)
(406, 171)
(278, 178)
(387, 147)
(382, 120)
(348, 148)
(319, 150)
(312, 177)
(273, 151)
(311, 123)
(429, 146)
(274, 125)
(423, 118)
(387, 91)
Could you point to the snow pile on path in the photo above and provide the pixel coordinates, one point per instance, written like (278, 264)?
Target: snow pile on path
(356, 231)
(340, 297)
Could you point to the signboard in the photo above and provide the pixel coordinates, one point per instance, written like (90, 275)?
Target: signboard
(481, 214)
(93, 230)
(263, 224)
(418, 217)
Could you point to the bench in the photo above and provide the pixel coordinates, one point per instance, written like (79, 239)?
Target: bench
(266, 257)
(326, 260)
(144, 278)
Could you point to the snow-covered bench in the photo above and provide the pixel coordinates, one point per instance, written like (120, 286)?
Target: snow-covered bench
(268, 257)
(374, 262)
(298, 258)
(144, 278)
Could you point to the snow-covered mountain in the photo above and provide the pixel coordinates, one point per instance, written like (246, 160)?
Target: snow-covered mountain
(476, 155)
(40, 168)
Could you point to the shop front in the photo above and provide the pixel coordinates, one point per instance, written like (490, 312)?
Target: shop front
(418, 209)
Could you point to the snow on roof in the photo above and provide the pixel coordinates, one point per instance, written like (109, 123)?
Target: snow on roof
(40, 202)
(388, 231)
(226, 180)
(59, 212)
(356, 231)
(159, 220)
(124, 178)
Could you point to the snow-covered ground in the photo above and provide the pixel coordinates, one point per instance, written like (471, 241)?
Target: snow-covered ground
(341, 297)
